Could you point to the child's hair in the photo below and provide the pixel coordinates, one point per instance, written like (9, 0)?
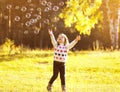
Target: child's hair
(66, 38)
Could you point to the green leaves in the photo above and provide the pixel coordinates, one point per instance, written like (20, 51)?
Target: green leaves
(82, 14)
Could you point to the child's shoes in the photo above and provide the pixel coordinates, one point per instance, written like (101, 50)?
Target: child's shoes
(63, 88)
(49, 87)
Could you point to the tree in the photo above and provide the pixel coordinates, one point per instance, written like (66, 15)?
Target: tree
(82, 14)
(111, 20)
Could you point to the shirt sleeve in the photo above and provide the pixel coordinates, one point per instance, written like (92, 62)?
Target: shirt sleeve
(54, 42)
(72, 44)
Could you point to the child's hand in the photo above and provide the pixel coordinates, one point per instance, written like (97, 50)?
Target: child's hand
(50, 31)
(78, 38)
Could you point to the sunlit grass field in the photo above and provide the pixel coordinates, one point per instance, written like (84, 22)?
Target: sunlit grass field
(86, 71)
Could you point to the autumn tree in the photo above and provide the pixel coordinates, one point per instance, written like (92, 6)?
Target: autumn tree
(110, 24)
(82, 14)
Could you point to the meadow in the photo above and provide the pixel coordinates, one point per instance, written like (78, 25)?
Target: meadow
(86, 71)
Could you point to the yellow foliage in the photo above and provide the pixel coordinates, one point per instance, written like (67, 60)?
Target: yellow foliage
(83, 14)
(9, 47)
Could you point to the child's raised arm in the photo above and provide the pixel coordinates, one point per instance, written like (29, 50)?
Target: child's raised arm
(54, 42)
(74, 42)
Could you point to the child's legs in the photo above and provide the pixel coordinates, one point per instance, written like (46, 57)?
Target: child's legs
(55, 72)
(62, 73)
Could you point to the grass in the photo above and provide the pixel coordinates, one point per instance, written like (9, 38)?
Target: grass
(86, 71)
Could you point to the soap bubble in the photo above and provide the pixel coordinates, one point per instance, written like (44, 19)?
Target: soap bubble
(46, 21)
(46, 9)
(35, 20)
(26, 32)
(31, 5)
(27, 23)
(17, 7)
(29, 1)
(61, 3)
(36, 31)
(56, 18)
(23, 9)
(39, 9)
(55, 8)
(32, 20)
(38, 17)
(44, 2)
(17, 18)
(28, 15)
(31, 9)
(49, 4)
(9, 6)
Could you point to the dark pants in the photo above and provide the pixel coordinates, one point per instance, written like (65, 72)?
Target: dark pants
(58, 67)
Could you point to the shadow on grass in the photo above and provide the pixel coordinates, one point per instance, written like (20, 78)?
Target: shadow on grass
(43, 62)
(8, 58)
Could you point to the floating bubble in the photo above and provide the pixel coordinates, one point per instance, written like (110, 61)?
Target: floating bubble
(55, 8)
(46, 21)
(49, 4)
(50, 8)
(61, 3)
(36, 31)
(31, 9)
(44, 2)
(17, 18)
(39, 9)
(38, 17)
(17, 7)
(31, 5)
(32, 20)
(27, 23)
(46, 9)
(35, 20)
(26, 32)
(28, 15)
(56, 19)
(29, 1)
(5, 17)
(9, 6)
(23, 9)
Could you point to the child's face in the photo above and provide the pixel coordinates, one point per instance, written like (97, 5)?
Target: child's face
(61, 39)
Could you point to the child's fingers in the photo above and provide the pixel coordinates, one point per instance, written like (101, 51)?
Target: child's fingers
(50, 31)
(78, 37)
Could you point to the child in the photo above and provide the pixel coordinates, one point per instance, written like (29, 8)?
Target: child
(60, 55)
